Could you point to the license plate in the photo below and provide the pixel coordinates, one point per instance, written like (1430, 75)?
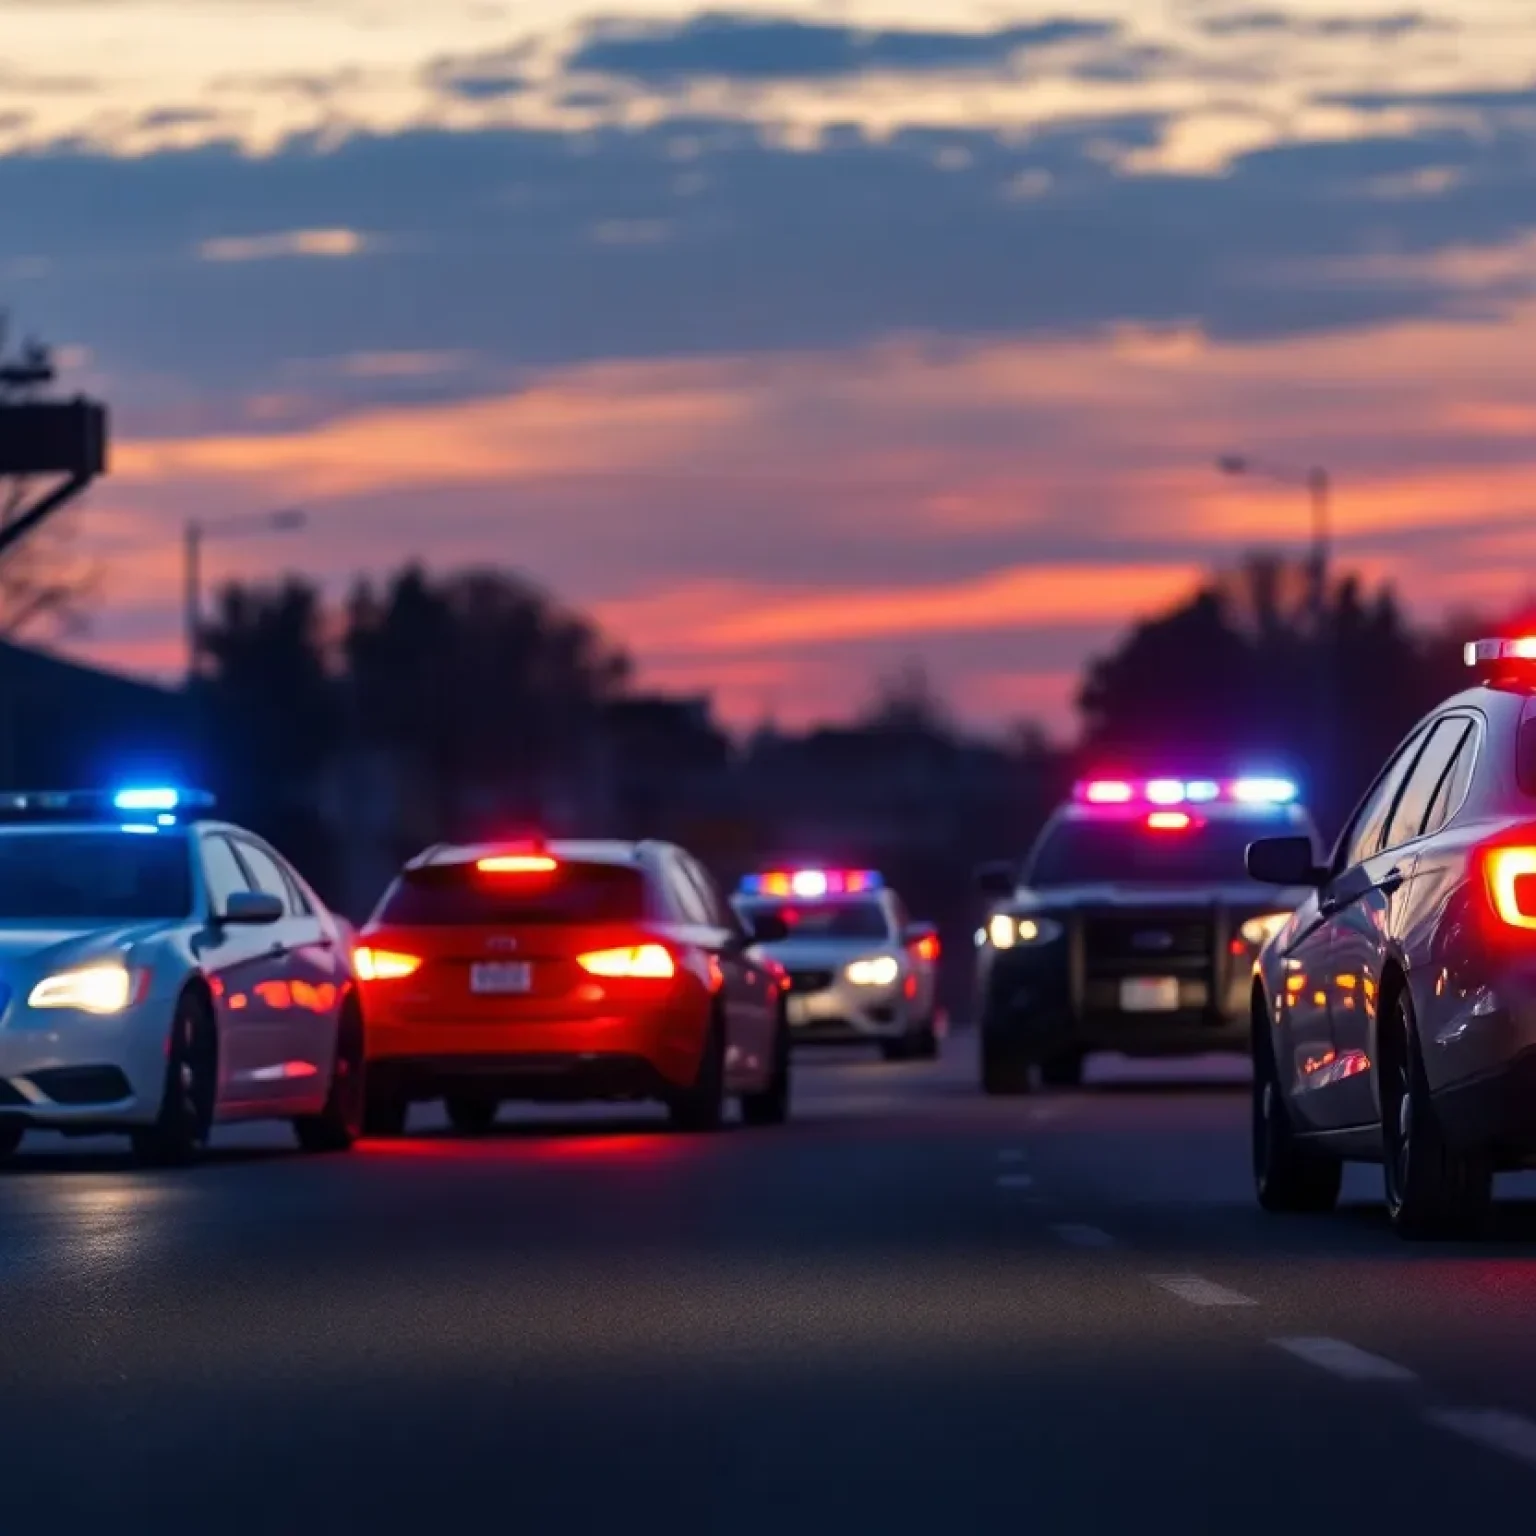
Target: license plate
(500, 976)
(1150, 994)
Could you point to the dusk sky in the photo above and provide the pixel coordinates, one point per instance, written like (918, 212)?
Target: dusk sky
(795, 341)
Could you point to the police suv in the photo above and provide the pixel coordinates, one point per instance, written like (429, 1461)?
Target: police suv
(1133, 926)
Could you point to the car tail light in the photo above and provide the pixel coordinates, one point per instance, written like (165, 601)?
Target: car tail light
(638, 962)
(1169, 821)
(516, 864)
(1511, 876)
(383, 964)
(927, 947)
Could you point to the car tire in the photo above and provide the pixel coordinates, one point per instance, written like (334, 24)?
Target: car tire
(470, 1114)
(340, 1123)
(1064, 1071)
(386, 1109)
(1289, 1177)
(1004, 1071)
(1433, 1190)
(701, 1107)
(179, 1136)
(924, 1045)
(11, 1138)
(771, 1106)
(896, 1050)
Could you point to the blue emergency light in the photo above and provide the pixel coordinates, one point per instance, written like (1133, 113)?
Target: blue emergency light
(147, 807)
(1170, 792)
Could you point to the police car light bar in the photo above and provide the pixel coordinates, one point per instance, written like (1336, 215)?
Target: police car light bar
(1478, 653)
(811, 884)
(1174, 792)
(162, 804)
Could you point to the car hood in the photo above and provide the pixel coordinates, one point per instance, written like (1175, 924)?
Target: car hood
(1241, 895)
(50, 944)
(824, 954)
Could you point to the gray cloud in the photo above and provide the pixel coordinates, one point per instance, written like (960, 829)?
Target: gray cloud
(485, 242)
(483, 76)
(742, 47)
(1276, 23)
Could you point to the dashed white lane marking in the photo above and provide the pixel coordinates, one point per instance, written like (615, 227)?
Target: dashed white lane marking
(1014, 1181)
(1499, 1431)
(1010, 1155)
(1083, 1237)
(1341, 1359)
(1200, 1292)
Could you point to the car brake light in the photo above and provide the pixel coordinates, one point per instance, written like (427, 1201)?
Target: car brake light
(1169, 821)
(650, 962)
(1512, 884)
(383, 964)
(927, 947)
(516, 864)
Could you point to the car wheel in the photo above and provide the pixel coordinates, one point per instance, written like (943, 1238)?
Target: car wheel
(340, 1123)
(1288, 1177)
(702, 1107)
(385, 1106)
(179, 1135)
(11, 1137)
(924, 1045)
(771, 1106)
(1433, 1190)
(471, 1115)
(1064, 1071)
(896, 1050)
(1004, 1071)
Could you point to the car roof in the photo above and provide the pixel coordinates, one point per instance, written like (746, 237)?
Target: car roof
(566, 850)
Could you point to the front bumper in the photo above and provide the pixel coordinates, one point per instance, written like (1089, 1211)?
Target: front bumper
(1058, 999)
(838, 1012)
(83, 1072)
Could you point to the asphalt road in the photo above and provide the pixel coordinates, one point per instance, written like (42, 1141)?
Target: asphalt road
(910, 1310)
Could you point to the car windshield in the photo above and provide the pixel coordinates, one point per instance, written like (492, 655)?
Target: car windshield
(459, 895)
(826, 919)
(93, 875)
(1095, 852)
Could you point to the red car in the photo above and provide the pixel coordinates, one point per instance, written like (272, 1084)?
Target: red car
(568, 971)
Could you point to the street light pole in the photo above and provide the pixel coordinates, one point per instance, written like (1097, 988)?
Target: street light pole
(284, 521)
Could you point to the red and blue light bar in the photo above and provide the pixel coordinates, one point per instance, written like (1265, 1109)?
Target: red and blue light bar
(1141, 793)
(811, 884)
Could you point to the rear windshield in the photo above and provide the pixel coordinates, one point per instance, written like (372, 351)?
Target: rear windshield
(826, 919)
(1102, 852)
(94, 876)
(460, 896)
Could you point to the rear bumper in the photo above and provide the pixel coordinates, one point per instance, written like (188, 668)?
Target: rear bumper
(560, 1077)
(667, 1044)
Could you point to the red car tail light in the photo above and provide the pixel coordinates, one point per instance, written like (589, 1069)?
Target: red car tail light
(927, 947)
(383, 964)
(636, 962)
(517, 864)
(1511, 876)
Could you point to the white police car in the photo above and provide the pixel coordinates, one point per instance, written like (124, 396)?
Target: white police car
(858, 968)
(160, 974)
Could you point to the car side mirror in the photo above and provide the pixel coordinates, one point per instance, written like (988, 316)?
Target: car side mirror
(252, 908)
(997, 880)
(1284, 861)
(767, 928)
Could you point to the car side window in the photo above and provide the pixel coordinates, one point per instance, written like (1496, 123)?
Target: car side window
(298, 897)
(1419, 791)
(1454, 783)
(267, 873)
(685, 897)
(719, 910)
(1366, 830)
(222, 872)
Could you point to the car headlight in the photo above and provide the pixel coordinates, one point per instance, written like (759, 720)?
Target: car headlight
(878, 972)
(1005, 930)
(105, 988)
(1258, 931)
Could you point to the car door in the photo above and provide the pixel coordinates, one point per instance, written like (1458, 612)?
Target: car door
(241, 962)
(306, 996)
(752, 994)
(1370, 914)
(1308, 962)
